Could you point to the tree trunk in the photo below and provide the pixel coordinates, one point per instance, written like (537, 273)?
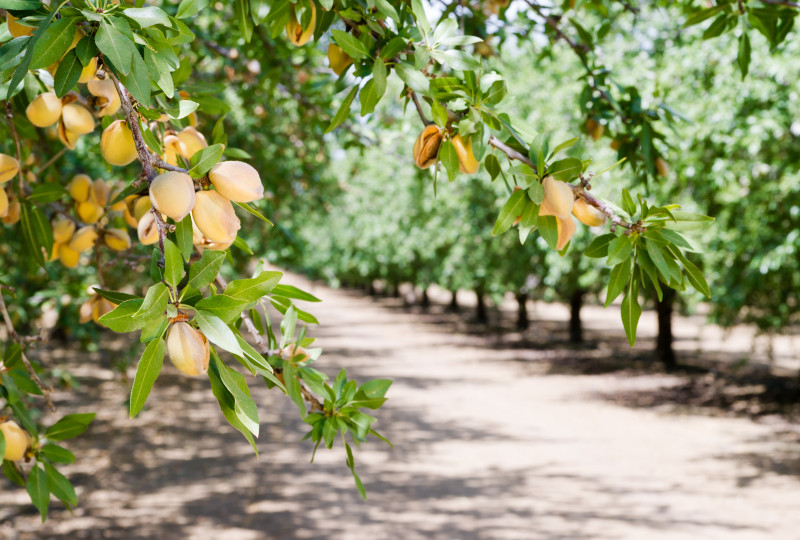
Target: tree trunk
(481, 314)
(426, 301)
(395, 289)
(522, 311)
(454, 301)
(664, 350)
(371, 289)
(575, 325)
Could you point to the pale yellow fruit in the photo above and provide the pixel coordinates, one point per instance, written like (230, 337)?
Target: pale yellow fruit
(426, 147)
(3, 203)
(84, 239)
(558, 198)
(218, 246)
(595, 128)
(120, 205)
(17, 29)
(63, 229)
(68, 256)
(192, 140)
(147, 229)
(54, 252)
(566, 228)
(188, 349)
(9, 167)
(141, 207)
(100, 192)
(108, 98)
(117, 239)
(215, 217)
(172, 194)
(173, 147)
(129, 219)
(109, 104)
(662, 168)
(89, 212)
(77, 119)
(588, 215)
(116, 144)
(466, 159)
(12, 214)
(87, 73)
(69, 139)
(236, 181)
(338, 59)
(80, 187)
(296, 33)
(45, 110)
(16, 440)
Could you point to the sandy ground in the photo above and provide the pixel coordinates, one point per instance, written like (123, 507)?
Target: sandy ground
(491, 441)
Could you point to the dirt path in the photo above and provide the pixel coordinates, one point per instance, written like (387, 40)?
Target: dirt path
(489, 444)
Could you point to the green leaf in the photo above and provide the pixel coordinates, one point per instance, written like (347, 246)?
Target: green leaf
(69, 426)
(449, 159)
(2, 444)
(12, 472)
(138, 80)
(58, 454)
(115, 297)
(203, 160)
(619, 277)
(492, 165)
(223, 306)
(627, 202)
(217, 332)
(190, 8)
(350, 44)
(688, 221)
(344, 110)
(206, 269)
(536, 192)
(184, 236)
(226, 401)
(155, 302)
(619, 249)
(413, 78)
(181, 109)
(173, 264)
(548, 228)
(244, 406)
(255, 212)
(631, 311)
(24, 65)
(147, 372)
(598, 249)
(116, 47)
(510, 211)
(60, 486)
(36, 231)
(694, 274)
(86, 50)
(241, 9)
(67, 74)
(654, 251)
(38, 490)
(121, 319)
(564, 145)
(148, 16)
(743, 57)
(290, 291)
(252, 290)
(20, 4)
(55, 40)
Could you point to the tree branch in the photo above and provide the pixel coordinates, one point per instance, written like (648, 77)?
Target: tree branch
(10, 118)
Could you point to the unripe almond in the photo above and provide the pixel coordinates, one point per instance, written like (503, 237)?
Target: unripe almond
(662, 168)
(117, 239)
(616, 144)
(77, 119)
(67, 137)
(173, 147)
(141, 206)
(79, 187)
(172, 194)
(68, 256)
(338, 59)
(54, 252)
(147, 229)
(193, 141)
(107, 96)
(296, 33)
(595, 128)
(16, 440)
(100, 307)
(426, 147)
(588, 215)
(9, 167)
(63, 229)
(215, 217)
(129, 219)
(566, 228)
(100, 192)
(116, 144)
(87, 73)
(17, 29)
(188, 349)
(558, 198)
(12, 215)
(89, 212)
(3, 203)
(83, 239)
(45, 110)
(466, 159)
(237, 181)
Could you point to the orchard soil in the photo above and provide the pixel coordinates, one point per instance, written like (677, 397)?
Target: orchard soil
(496, 435)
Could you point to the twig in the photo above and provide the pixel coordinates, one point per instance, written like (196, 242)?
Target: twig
(316, 404)
(161, 164)
(10, 118)
(46, 390)
(50, 161)
(419, 108)
(510, 152)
